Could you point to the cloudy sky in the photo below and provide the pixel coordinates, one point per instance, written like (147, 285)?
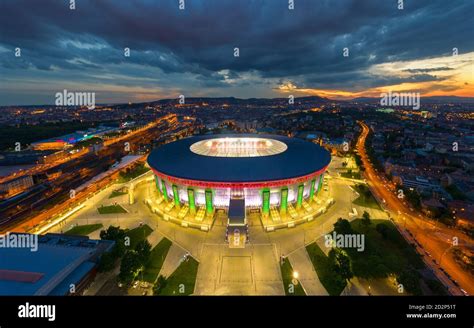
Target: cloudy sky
(191, 51)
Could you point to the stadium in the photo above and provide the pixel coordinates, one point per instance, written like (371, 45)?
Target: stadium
(239, 173)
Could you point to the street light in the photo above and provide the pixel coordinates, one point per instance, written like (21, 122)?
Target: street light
(295, 278)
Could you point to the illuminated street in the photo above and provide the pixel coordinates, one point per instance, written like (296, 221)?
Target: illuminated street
(435, 239)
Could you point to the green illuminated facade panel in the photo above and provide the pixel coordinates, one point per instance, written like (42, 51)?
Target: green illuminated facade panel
(320, 184)
(284, 199)
(165, 192)
(176, 195)
(299, 200)
(266, 201)
(209, 205)
(191, 202)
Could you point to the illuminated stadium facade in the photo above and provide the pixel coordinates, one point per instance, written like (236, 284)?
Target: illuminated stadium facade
(258, 172)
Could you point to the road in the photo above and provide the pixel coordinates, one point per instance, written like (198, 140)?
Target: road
(431, 237)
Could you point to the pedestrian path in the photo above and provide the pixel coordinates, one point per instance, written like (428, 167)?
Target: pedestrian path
(308, 278)
(173, 260)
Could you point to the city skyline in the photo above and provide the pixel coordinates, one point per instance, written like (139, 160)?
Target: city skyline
(421, 48)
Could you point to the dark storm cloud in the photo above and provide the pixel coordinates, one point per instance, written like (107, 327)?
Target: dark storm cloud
(427, 70)
(191, 47)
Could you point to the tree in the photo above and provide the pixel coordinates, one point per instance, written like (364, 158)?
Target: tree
(129, 267)
(382, 229)
(118, 235)
(112, 233)
(106, 262)
(342, 263)
(143, 249)
(410, 279)
(342, 226)
(366, 218)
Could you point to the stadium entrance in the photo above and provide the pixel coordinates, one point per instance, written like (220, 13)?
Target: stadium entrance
(237, 227)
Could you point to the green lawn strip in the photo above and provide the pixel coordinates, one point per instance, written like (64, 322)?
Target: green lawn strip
(157, 257)
(366, 199)
(184, 276)
(111, 209)
(367, 202)
(83, 230)
(138, 234)
(117, 193)
(330, 279)
(131, 174)
(287, 275)
(382, 256)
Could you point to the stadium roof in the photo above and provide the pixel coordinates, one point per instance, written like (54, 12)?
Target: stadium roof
(301, 158)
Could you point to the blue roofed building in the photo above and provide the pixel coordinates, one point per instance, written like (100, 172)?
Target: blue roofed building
(60, 261)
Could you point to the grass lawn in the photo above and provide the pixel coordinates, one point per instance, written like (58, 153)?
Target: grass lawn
(111, 209)
(117, 193)
(84, 230)
(382, 255)
(365, 199)
(138, 234)
(131, 174)
(184, 276)
(330, 279)
(157, 257)
(287, 275)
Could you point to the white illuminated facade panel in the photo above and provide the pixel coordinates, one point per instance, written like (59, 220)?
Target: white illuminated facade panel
(221, 197)
(169, 189)
(274, 197)
(183, 194)
(200, 197)
(253, 197)
(307, 188)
